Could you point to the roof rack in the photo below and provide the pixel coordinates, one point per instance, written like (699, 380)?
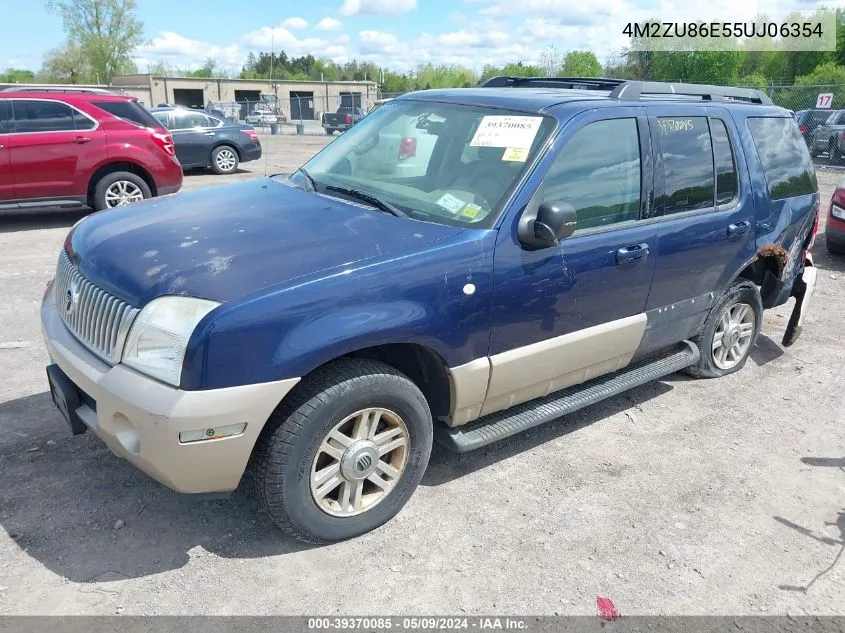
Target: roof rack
(634, 90)
(578, 83)
(98, 91)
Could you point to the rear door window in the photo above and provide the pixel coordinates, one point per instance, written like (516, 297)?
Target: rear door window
(128, 111)
(42, 116)
(684, 145)
(190, 120)
(786, 162)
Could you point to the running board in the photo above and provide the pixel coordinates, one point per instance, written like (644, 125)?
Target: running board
(498, 426)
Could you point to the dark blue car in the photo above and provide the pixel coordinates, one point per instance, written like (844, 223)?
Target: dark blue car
(461, 265)
(203, 139)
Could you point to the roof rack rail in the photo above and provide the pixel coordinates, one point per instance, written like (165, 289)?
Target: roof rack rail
(633, 90)
(578, 83)
(84, 90)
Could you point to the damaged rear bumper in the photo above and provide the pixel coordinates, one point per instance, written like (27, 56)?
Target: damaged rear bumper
(802, 289)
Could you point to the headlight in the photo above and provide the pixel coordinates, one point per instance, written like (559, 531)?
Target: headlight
(157, 340)
(837, 212)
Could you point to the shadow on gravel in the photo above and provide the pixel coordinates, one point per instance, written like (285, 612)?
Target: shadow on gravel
(92, 517)
(12, 221)
(446, 466)
(765, 351)
(824, 260)
(839, 523)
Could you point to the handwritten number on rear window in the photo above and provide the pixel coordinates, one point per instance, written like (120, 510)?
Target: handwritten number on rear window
(670, 126)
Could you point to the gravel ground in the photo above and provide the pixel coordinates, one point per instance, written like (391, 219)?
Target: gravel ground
(680, 497)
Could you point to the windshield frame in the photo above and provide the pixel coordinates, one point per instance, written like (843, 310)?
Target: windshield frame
(547, 132)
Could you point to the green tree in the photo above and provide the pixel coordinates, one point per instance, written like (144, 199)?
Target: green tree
(65, 65)
(17, 76)
(823, 74)
(106, 31)
(580, 64)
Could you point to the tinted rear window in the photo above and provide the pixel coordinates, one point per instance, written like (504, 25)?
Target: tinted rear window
(786, 162)
(128, 111)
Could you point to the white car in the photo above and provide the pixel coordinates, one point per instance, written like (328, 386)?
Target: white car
(261, 118)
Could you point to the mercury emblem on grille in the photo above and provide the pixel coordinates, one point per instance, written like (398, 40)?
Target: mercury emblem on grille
(71, 298)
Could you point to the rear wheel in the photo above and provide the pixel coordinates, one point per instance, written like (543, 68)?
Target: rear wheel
(730, 332)
(118, 189)
(329, 131)
(833, 152)
(224, 160)
(345, 453)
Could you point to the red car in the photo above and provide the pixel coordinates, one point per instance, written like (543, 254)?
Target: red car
(70, 149)
(834, 229)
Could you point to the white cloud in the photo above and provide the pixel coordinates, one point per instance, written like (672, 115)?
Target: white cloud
(295, 23)
(177, 50)
(377, 7)
(329, 24)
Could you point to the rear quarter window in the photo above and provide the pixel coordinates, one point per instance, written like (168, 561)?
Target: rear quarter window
(783, 153)
(128, 111)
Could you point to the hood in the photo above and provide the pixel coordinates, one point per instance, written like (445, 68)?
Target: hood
(223, 243)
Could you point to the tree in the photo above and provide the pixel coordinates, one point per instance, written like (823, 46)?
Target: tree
(65, 65)
(581, 64)
(16, 76)
(106, 31)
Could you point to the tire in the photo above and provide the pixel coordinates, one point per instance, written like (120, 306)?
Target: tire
(120, 188)
(290, 451)
(329, 131)
(833, 248)
(833, 152)
(224, 160)
(710, 365)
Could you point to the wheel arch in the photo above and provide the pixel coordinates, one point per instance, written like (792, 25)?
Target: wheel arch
(115, 166)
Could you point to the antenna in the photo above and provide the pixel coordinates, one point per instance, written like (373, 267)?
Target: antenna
(272, 56)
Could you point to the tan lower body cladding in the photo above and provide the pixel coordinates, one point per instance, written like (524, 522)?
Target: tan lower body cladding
(493, 383)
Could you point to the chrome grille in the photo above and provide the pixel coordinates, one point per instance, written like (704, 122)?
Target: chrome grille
(98, 319)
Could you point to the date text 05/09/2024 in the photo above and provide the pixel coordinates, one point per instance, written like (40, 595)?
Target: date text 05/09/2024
(422, 623)
(724, 29)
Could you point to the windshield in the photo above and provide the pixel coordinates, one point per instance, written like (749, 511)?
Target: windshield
(446, 163)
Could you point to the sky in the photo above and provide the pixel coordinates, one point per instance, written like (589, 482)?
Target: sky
(396, 34)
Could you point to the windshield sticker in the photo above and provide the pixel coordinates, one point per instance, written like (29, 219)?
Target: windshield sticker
(516, 154)
(451, 203)
(471, 211)
(506, 131)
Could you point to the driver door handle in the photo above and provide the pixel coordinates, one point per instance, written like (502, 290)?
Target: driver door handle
(211, 134)
(633, 253)
(79, 140)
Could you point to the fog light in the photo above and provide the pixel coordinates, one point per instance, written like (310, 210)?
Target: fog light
(837, 212)
(211, 433)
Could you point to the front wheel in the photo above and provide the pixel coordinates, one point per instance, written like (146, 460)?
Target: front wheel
(730, 332)
(224, 160)
(345, 453)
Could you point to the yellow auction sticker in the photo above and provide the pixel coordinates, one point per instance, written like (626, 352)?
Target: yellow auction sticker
(470, 211)
(516, 154)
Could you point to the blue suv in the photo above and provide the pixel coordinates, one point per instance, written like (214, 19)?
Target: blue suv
(461, 265)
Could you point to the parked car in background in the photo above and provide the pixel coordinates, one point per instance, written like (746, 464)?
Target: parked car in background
(343, 321)
(78, 148)
(261, 118)
(834, 230)
(203, 140)
(828, 137)
(342, 120)
(809, 120)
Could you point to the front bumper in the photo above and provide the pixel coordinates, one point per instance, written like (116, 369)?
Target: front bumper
(834, 230)
(140, 419)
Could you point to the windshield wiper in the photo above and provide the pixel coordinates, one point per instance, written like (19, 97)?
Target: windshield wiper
(308, 178)
(369, 198)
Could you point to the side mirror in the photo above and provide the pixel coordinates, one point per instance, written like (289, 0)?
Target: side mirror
(554, 222)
